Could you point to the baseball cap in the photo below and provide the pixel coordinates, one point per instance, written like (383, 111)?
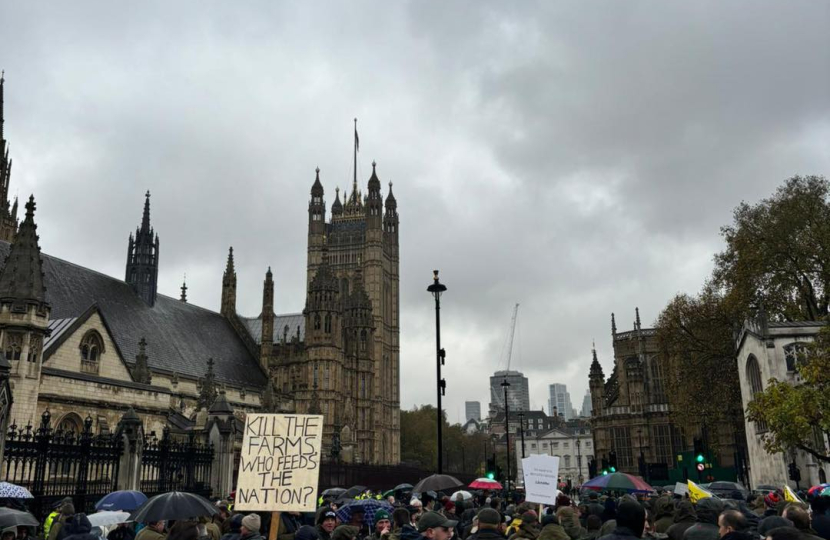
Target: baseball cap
(432, 520)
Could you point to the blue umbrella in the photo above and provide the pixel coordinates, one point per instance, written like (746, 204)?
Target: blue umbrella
(368, 506)
(121, 500)
(13, 491)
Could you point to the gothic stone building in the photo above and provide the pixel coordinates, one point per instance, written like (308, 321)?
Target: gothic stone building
(81, 344)
(340, 356)
(631, 410)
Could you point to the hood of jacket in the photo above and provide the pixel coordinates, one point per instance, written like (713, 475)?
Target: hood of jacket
(553, 531)
(663, 507)
(708, 510)
(570, 522)
(685, 513)
(79, 524)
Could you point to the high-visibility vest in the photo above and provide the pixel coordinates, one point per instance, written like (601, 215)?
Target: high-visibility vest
(48, 523)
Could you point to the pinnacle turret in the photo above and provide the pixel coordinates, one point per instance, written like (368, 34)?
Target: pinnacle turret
(142, 258)
(21, 280)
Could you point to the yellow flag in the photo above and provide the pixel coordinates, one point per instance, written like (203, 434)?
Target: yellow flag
(697, 493)
(790, 496)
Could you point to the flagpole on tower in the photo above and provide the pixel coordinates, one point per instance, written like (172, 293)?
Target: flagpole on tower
(356, 148)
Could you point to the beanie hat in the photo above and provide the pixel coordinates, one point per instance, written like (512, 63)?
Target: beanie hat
(449, 505)
(489, 516)
(549, 519)
(381, 514)
(530, 516)
(344, 532)
(306, 532)
(251, 522)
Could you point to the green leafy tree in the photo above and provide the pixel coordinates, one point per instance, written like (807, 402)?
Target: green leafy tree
(798, 416)
(462, 452)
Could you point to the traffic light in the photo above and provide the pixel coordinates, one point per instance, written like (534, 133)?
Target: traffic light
(612, 460)
(491, 468)
(491, 475)
(795, 473)
(699, 458)
(613, 469)
(604, 472)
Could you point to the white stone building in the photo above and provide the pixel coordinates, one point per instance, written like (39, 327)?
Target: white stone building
(573, 445)
(769, 350)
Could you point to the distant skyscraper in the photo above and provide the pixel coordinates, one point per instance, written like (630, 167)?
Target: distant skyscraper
(561, 400)
(518, 395)
(586, 405)
(472, 410)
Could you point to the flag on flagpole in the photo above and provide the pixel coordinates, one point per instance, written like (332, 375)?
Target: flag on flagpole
(697, 493)
(790, 496)
(356, 139)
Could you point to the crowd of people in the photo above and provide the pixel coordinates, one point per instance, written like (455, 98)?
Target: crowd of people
(485, 517)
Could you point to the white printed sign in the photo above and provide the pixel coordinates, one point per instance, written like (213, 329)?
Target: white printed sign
(279, 465)
(541, 474)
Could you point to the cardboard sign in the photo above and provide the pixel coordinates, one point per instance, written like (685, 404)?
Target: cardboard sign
(681, 488)
(541, 474)
(280, 463)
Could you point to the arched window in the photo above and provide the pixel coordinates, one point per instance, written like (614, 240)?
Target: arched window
(14, 344)
(753, 377)
(92, 347)
(71, 423)
(363, 336)
(328, 323)
(794, 354)
(317, 322)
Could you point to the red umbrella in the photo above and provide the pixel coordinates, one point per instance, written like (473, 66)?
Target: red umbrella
(485, 483)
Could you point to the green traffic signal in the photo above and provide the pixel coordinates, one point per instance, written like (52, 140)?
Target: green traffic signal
(491, 475)
(700, 458)
(613, 469)
(604, 473)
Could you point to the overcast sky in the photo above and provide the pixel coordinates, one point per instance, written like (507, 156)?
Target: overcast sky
(575, 157)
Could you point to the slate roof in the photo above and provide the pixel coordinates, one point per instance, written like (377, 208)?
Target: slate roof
(292, 320)
(180, 336)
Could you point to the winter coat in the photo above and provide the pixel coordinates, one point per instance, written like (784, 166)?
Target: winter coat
(407, 532)
(620, 533)
(739, 535)
(322, 532)
(595, 509)
(122, 533)
(486, 534)
(56, 531)
(821, 523)
(684, 517)
(149, 534)
(610, 510)
(570, 522)
(288, 526)
(228, 536)
(213, 530)
(590, 535)
(527, 531)
(251, 536)
(706, 527)
(79, 528)
(553, 531)
(663, 514)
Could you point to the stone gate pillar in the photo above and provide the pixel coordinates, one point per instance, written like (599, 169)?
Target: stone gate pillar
(221, 432)
(131, 432)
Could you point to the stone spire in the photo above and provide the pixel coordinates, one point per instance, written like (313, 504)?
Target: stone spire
(183, 297)
(637, 324)
(596, 368)
(228, 307)
(8, 222)
(207, 388)
(613, 326)
(142, 258)
(267, 317)
(21, 280)
(337, 206)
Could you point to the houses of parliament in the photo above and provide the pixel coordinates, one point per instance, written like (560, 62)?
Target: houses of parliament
(86, 346)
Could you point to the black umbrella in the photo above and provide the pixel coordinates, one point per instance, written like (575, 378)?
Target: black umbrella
(353, 492)
(333, 492)
(437, 482)
(173, 505)
(402, 487)
(16, 518)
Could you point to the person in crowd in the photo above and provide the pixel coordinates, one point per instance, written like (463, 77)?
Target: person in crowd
(184, 529)
(733, 525)
(610, 510)
(821, 521)
(402, 527)
(434, 526)
(345, 532)
(663, 514)
(416, 509)
(124, 531)
(79, 528)
(594, 508)
(631, 520)
(783, 533)
(684, 517)
(772, 522)
(23, 533)
(449, 509)
(383, 525)
(234, 524)
(9, 533)
(306, 532)
(55, 514)
(801, 521)
(326, 522)
(529, 527)
(465, 522)
(593, 523)
(706, 525)
(289, 523)
(211, 529)
(153, 531)
(358, 521)
(552, 529)
(250, 528)
(771, 501)
(569, 520)
(66, 513)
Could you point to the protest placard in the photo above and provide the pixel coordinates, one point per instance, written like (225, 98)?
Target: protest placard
(541, 475)
(280, 463)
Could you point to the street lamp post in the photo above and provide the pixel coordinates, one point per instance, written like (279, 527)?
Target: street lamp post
(436, 289)
(642, 456)
(578, 460)
(506, 385)
(522, 428)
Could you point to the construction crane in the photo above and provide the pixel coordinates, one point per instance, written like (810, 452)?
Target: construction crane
(512, 333)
